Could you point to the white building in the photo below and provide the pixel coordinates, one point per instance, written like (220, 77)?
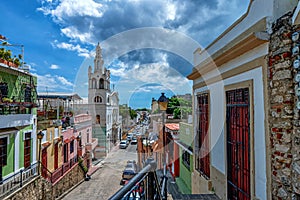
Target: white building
(103, 105)
(230, 91)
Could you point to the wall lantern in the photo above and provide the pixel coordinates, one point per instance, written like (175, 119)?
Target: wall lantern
(40, 135)
(163, 102)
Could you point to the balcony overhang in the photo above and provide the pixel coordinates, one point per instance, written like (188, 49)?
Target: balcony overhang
(248, 40)
(16, 120)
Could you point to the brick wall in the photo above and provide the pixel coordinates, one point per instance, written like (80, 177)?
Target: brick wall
(283, 114)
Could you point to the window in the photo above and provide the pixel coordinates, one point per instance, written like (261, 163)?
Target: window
(65, 153)
(186, 159)
(98, 99)
(3, 151)
(202, 137)
(72, 146)
(3, 90)
(101, 83)
(27, 94)
(94, 83)
(27, 149)
(97, 119)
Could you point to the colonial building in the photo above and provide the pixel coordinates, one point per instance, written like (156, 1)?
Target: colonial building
(243, 108)
(67, 135)
(18, 152)
(103, 106)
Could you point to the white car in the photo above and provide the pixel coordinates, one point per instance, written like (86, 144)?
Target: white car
(123, 144)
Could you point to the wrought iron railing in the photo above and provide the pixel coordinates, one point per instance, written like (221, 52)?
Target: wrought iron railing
(53, 176)
(144, 185)
(17, 180)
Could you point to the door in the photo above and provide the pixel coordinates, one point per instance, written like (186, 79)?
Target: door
(44, 163)
(27, 150)
(3, 154)
(56, 156)
(238, 144)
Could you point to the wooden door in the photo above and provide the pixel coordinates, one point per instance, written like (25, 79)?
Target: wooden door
(238, 144)
(56, 156)
(44, 163)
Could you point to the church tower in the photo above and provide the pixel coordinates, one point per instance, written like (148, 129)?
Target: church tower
(98, 95)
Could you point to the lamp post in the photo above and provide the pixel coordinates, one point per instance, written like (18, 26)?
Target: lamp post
(163, 104)
(40, 136)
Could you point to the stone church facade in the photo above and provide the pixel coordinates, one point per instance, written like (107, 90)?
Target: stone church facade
(103, 106)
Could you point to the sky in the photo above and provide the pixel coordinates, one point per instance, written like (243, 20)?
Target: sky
(147, 45)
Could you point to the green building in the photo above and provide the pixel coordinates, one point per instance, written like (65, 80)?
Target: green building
(185, 142)
(18, 142)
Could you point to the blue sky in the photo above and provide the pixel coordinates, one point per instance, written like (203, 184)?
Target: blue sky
(147, 45)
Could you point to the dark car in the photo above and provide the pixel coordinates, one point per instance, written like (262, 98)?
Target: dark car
(127, 174)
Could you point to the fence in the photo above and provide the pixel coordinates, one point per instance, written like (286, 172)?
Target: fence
(55, 175)
(17, 180)
(144, 185)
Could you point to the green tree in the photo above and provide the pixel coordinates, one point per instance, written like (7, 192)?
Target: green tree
(179, 107)
(132, 113)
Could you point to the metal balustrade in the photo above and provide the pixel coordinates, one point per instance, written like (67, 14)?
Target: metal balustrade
(17, 180)
(53, 176)
(144, 185)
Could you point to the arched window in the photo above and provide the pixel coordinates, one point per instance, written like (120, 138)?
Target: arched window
(97, 99)
(107, 99)
(101, 83)
(94, 86)
(97, 119)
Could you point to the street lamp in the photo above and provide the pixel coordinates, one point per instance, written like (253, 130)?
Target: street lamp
(163, 104)
(40, 136)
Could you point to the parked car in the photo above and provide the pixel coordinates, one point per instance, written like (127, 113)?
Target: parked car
(134, 140)
(123, 144)
(129, 137)
(131, 164)
(127, 174)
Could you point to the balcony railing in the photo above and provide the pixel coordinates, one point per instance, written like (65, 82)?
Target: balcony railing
(11, 108)
(144, 185)
(17, 180)
(55, 175)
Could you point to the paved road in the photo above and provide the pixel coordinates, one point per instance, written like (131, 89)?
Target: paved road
(106, 180)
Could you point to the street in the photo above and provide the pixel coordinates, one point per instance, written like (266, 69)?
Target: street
(106, 180)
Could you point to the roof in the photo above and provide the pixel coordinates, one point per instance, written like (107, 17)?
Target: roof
(172, 126)
(54, 95)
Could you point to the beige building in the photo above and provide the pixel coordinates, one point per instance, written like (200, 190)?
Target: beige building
(231, 100)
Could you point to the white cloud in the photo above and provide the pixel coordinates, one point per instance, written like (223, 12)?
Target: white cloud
(154, 73)
(71, 8)
(54, 66)
(64, 81)
(49, 82)
(74, 34)
(70, 47)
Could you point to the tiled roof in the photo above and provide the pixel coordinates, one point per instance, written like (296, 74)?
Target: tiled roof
(172, 126)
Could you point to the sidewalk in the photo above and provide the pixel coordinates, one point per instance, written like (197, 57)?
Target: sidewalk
(174, 191)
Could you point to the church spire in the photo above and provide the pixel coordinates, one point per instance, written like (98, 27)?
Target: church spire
(98, 61)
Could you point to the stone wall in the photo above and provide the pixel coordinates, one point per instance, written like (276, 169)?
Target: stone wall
(41, 189)
(283, 115)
